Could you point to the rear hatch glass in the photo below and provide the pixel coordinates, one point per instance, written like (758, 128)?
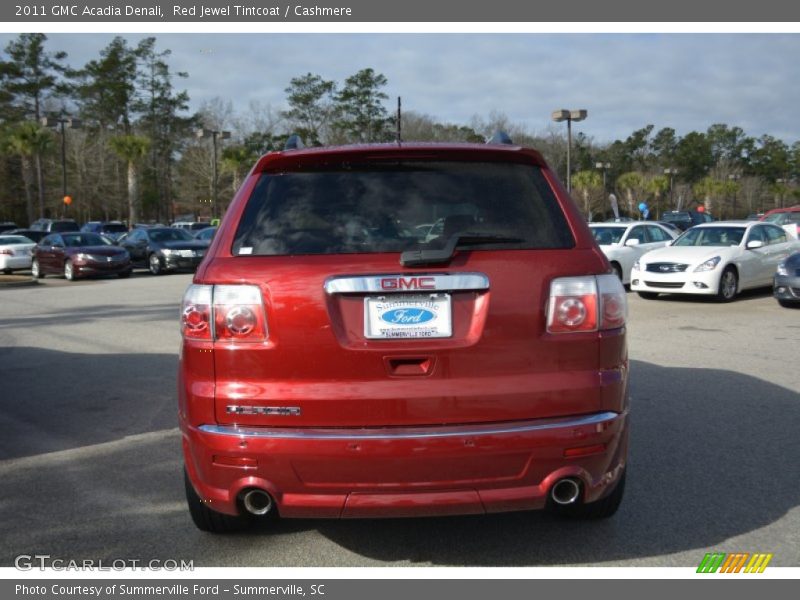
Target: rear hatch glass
(399, 206)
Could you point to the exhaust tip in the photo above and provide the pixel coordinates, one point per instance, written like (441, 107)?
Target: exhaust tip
(565, 491)
(257, 502)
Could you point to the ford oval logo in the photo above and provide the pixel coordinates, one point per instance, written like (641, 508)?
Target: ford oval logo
(407, 316)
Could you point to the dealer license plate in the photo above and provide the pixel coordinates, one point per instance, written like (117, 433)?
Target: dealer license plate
(398, 317)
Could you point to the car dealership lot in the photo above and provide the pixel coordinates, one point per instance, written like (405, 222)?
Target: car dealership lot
(91, 465)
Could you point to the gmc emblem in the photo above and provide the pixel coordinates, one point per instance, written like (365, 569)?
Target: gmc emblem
(408, 283)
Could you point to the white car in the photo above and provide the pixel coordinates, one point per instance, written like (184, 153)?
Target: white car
(714, 259)
(624, 243)
(15, 253)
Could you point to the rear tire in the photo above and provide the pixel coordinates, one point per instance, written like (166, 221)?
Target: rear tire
(599, 509)
(648, 295)
(206, 519)
(7, 271)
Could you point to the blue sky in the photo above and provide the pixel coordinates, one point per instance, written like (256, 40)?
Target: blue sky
(625, 81)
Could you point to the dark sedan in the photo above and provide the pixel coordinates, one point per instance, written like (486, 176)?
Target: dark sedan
(786, 284)
(163, 249)
(77, 255)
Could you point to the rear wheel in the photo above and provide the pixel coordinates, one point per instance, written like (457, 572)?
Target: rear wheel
(36, 270)
(69, 271)
(728, 285)
(7, 271)
(648, 295)
(789, 304)
(206, 519)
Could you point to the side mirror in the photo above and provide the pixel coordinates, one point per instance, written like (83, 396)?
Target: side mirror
(632, 242)
(753, 244)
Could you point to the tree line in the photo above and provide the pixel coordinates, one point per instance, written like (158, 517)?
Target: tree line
(117, 136)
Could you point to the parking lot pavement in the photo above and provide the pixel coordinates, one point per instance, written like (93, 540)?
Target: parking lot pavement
(91, 463)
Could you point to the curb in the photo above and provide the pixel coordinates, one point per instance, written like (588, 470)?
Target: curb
(14, 284)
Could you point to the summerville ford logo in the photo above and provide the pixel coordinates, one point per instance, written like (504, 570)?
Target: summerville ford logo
(407, 316)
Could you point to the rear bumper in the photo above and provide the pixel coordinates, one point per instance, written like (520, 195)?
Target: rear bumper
(408, 471)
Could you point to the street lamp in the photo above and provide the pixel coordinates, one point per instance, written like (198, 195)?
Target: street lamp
(569, 116)
(62, 123)
(603, 167)
(213, 134)
(671, 172)
(733, 178)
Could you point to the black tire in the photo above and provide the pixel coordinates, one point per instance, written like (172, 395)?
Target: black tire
(124, 274)
(648, 295)
(728, 285)
(69, 270)
(154, 264)
(600, 509)
(7, 271)
(36, 270)
(617, 270)
(206, 519)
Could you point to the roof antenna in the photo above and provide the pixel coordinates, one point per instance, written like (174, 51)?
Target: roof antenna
(399, 121)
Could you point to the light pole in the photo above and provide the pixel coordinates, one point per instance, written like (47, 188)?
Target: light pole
(733, 178)
(62, 123)
(603, 167)
(569, 116)
(781, 189)
(671, 172)
(213, 134)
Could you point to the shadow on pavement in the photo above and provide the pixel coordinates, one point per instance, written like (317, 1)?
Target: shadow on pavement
(713, 456)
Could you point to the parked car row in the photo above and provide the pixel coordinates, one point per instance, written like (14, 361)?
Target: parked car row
(714, 258)
(76, 254)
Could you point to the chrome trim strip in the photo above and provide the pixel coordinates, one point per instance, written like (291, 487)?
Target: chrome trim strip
(403, 433)
(393, 283)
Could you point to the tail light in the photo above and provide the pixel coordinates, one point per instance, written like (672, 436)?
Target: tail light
(223, 313)
(588, 303)
(239, 313)
(7, 251)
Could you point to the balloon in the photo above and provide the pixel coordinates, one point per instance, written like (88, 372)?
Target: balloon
(67, 200)
(701, 208)
(642, 207)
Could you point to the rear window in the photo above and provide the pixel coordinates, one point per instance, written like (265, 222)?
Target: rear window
(114, 228)
(57, 226)
(397, 206)
(676, 217)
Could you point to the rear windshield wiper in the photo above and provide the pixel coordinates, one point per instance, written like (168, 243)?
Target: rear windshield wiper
(415, 258)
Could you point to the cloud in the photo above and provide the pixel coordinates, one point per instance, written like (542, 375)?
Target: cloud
(625, 81)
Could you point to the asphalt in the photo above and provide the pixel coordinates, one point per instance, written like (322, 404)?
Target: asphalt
(91, 465)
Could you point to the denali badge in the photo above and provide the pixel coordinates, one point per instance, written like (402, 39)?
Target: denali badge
(281, 411)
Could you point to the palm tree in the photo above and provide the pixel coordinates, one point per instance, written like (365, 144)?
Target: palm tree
(235, 160)
(30, 141)
(632, 184)
(658, 185)
(132, 149)
(588, 184)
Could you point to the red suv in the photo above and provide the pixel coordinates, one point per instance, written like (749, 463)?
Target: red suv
(788, 218)
(336, 363)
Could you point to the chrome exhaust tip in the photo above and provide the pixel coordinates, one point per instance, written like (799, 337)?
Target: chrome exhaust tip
(257, 502)
(565, 491)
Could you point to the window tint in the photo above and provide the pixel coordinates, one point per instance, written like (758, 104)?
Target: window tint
(64, 226)
(657, 234)
(380, 207)
(639, 233)
(775, 235)
(757, 234)
(711, 236)
(169, 235)
(13, 239)
(76, 240)
(605, 236)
